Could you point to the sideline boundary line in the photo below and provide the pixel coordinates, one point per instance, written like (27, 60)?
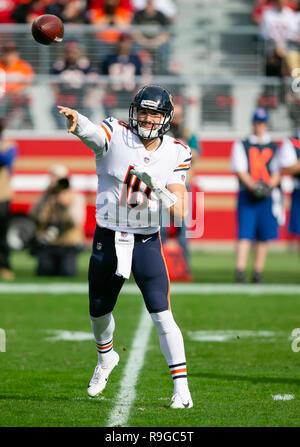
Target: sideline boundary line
(176, 288)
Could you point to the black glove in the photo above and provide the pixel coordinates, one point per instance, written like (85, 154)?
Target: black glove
(261, 191)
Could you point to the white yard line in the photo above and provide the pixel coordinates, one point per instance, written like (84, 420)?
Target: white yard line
(49, 289)
(126, 396)
(283, 397)
(176, 288)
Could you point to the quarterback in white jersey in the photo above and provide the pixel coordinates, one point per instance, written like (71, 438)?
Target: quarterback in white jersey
(118, 186)
(140, 170)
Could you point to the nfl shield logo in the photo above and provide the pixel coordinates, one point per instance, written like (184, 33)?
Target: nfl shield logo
(98, 246)
(183, 177)
(146, 159)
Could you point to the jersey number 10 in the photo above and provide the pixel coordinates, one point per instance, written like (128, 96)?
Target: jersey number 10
(131, 191)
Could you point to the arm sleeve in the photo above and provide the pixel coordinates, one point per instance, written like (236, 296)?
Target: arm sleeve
(287, 155)
(183, 165)
(238, 162)
(96, 137)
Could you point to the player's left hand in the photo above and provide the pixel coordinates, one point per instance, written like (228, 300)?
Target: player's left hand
(72, 116)
(166, 197)
(143, 174)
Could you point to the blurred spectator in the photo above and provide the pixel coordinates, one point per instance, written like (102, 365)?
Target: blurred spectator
(126, 4)
(27, 11)
(179, 131)
(290, 163)
(15, 105)
(60, 215)
(8, 153)
(70, 11)
(122, 68)
(156, 43)
(260, 6)
(292, 104)
(255, 161)
(110, 13)
(73, 69)
(279, 29)
(167, 7)
(7, 7)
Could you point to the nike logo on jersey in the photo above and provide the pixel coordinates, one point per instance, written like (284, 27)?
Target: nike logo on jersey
(145, 240)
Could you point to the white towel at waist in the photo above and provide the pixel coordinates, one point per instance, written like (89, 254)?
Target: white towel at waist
(124, 243)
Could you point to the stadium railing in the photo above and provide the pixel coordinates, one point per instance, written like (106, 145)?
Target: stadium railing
(212, 105)
(219, 97)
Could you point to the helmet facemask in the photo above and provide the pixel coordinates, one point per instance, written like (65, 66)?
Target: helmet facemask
(156, 130)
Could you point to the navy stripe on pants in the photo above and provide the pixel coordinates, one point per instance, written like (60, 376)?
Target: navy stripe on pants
(148, 268)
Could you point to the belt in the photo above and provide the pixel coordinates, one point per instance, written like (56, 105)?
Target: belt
(136, 236)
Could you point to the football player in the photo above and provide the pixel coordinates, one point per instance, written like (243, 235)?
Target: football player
(140, 170)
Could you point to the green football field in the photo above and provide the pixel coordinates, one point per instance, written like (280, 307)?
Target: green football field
(243, 362)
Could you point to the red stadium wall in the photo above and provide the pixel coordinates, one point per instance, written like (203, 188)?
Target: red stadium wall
(212, 175)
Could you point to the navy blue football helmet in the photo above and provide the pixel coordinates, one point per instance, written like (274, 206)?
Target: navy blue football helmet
(156, 98)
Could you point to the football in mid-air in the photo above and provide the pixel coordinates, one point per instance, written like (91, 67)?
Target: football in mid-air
(47, 29)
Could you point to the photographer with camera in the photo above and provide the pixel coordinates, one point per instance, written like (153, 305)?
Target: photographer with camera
(255, 161)
(60, 216)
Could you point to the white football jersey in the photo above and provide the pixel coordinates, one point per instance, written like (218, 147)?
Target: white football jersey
(124, 202)
(279, 26)
(289, 158)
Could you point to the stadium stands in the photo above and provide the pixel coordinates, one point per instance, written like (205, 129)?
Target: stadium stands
(224, 61)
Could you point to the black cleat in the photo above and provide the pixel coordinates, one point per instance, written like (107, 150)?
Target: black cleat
(240, 277)
(257, 278)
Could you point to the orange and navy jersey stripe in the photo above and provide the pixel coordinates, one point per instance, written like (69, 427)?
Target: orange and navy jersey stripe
(105, 347)
(184, 166)
(108, 129)
(178, 371)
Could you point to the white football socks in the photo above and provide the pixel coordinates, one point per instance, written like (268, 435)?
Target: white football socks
(172, 347)
(103, 329)
(170, 338)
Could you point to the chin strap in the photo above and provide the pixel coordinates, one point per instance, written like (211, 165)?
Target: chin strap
(166, 197)
(144, 133)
